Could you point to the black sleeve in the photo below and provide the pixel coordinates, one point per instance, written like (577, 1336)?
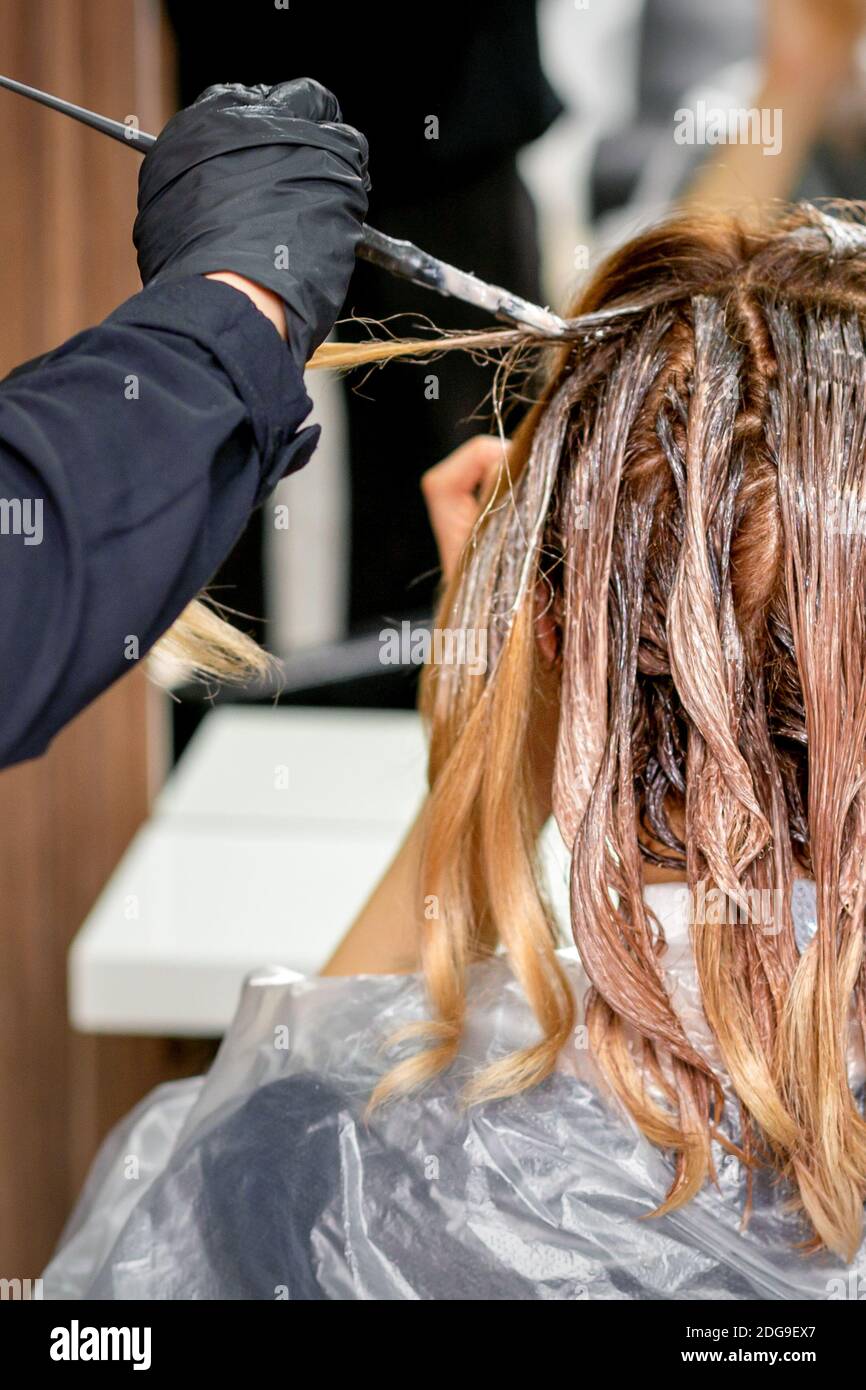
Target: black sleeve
(130, 460)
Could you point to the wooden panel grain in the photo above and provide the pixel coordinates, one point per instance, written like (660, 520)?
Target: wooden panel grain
(67, 199)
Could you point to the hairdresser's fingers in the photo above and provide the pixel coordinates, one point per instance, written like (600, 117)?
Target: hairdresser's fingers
(454, 491)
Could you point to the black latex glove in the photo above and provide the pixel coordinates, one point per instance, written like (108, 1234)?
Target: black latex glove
(264, 181)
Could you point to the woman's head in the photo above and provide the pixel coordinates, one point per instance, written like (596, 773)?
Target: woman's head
(688, 502)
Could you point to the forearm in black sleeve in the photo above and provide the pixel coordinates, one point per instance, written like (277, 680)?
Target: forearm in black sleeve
(130, 460)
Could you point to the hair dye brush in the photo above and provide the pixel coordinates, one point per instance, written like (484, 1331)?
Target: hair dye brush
(401, 258)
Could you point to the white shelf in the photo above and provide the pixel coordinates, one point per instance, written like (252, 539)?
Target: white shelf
(262, 847)
(235, 870)
(305, 765)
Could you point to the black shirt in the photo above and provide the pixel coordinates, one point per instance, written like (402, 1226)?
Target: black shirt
(130, 460)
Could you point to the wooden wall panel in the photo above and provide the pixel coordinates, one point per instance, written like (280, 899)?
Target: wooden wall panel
(67, 199)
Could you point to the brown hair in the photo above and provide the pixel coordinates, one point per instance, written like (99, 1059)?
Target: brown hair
(690, 493)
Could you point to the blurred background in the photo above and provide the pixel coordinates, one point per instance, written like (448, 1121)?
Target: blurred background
(517, 141)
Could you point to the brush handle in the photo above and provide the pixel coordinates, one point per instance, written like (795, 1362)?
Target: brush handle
(129, 135)
(400, 258)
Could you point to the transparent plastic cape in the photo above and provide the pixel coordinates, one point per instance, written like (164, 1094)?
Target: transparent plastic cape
(263, 1181)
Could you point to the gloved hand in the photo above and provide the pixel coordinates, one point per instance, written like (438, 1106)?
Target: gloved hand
(263, 181)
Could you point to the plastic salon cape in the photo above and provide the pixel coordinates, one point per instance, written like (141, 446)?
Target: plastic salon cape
(262, 1180)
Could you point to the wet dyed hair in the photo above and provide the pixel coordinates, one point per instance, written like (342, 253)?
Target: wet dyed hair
(690, 493)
